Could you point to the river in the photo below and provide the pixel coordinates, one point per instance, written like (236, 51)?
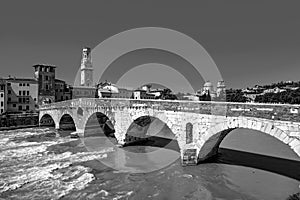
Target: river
(38, 163)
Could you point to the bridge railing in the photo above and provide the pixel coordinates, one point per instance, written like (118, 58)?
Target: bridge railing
(171, 101)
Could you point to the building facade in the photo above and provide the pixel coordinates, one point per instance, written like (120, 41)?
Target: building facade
(83, 92)
(22, 95)
(62, 91)
(124, 93)
(3, 95)
(142, 94)
(45, 75)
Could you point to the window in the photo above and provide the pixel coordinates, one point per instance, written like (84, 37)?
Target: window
(2, 87)
(27, 107)
(46, 78)
(2, 95)
(2, 103)
(24, 100)
(20, 107)
(47, 87)
(67, 98)
(24, 93)
(34, 99)
(20, 100)
(8, 84)
(20, 84)
(14, 105)
(9, 99)
(61, 98)
(28, 84)
(23, 84)
(27, 93)
(20, 93)
(2, 110)
(9, 91)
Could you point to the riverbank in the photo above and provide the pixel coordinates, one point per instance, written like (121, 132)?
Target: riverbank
(18, 127)
(294, 197)
(37, 161)
(13, 121)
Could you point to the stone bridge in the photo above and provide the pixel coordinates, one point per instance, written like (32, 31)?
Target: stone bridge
(198, 127)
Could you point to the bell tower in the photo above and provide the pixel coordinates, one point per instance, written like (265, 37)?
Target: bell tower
(86, 68)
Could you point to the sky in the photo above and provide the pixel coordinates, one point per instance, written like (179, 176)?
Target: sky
(251, 42)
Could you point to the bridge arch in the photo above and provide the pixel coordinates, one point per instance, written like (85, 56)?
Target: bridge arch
(66, 122)
(153, 131)
(210, 139)
(99, 122)
(47, 120)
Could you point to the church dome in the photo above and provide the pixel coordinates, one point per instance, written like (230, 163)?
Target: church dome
(112, 88)
(208, 84)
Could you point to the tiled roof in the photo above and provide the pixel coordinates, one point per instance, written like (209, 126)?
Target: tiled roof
(58, 80)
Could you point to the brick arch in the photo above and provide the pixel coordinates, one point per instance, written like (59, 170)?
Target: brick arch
(210, 139)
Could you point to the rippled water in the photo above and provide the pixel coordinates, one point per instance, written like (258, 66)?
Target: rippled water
(42, 164)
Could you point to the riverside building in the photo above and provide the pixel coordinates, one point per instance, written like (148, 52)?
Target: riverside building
(3, 94)
(22, 95)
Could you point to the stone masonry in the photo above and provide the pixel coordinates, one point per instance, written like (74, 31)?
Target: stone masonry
(210, 121)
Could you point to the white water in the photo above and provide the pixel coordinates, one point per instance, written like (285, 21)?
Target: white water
(36, 173)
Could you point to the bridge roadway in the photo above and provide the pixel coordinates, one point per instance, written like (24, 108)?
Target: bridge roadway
(199, 127)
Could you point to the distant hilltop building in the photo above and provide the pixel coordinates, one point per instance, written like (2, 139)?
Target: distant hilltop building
(208, 87)
(209, 93)
(221, 88)
(107, 90)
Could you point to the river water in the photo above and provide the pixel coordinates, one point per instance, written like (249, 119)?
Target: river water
(42, 164)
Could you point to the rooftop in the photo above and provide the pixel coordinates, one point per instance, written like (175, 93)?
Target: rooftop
(83, 87)
(14, 79)
(45, 65)
(58, 80)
